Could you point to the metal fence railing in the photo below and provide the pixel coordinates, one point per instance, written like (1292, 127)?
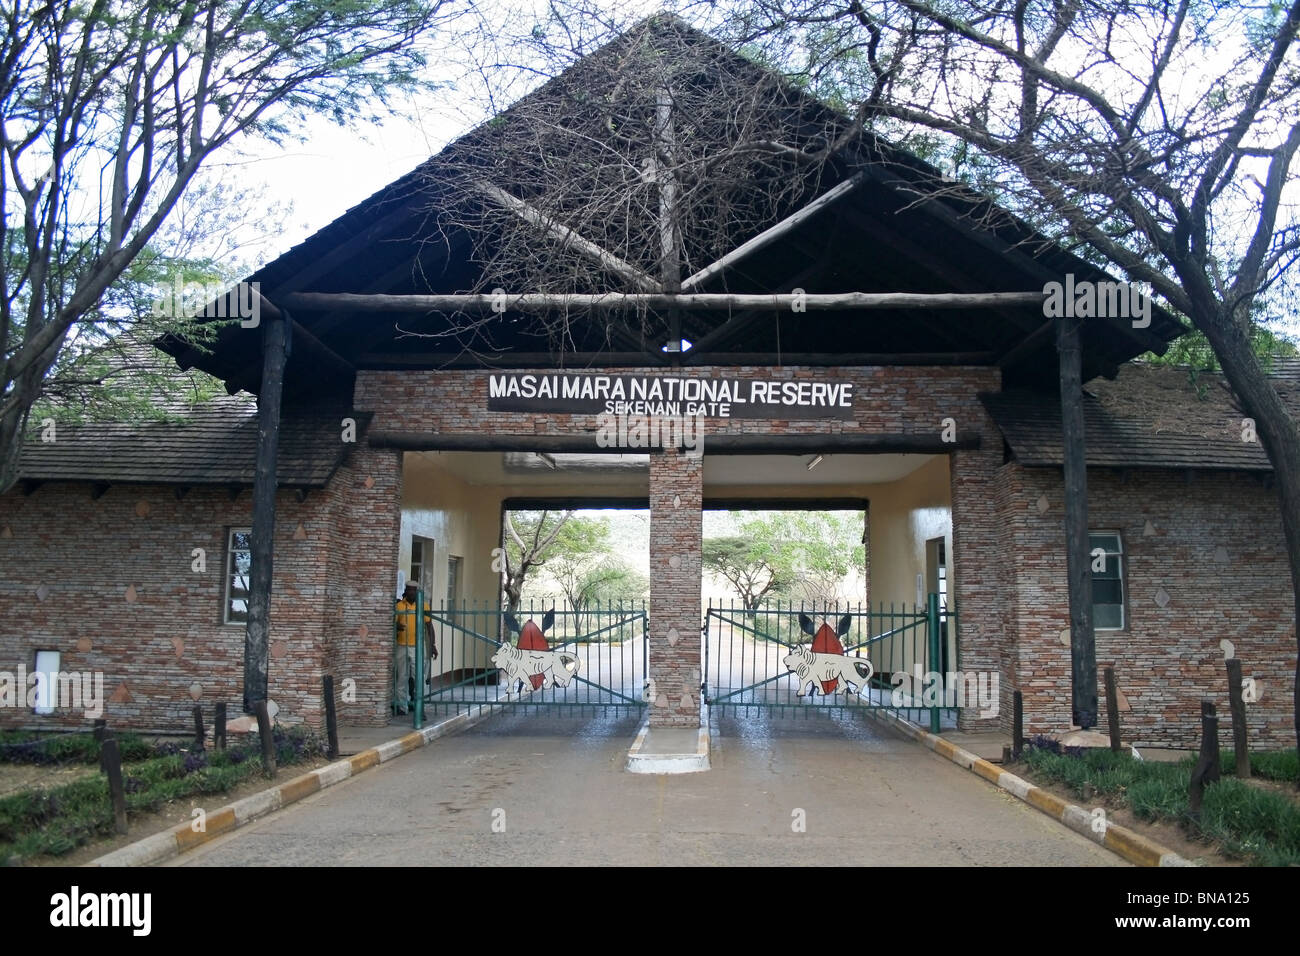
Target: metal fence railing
(809, 658)
(575, 660)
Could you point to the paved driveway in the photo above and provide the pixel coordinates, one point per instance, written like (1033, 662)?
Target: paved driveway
(557, 789)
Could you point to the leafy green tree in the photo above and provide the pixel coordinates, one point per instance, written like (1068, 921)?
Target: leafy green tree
(110, 110)
(528, 539)
(580, 550)
(1194, 351)
(805, 556)
(752, 566)
(824, 551)
(614, 582)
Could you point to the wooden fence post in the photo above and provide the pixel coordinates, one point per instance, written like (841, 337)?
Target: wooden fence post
(1207, 767)
(1237, 708)
(1112, 709)
(111, 759)
(105, 735)
(219, 726)
(1017, 725)
(331, 719)
(198, 728)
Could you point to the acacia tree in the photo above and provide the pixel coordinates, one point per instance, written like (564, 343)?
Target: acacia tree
(529, 536)
(1157, 136)
(108, 368)
(802, 555)
(579, 561)
(750, 567)
(828, 550)
(109, 109)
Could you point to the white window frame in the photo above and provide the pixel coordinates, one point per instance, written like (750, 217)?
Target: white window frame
(1118, 557)
(420, 570)
(453, 578)
(231, 550)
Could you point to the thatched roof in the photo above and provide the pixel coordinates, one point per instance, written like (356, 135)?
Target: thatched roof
(581, 148)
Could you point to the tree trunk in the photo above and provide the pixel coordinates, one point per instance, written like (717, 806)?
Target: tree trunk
(26, 388)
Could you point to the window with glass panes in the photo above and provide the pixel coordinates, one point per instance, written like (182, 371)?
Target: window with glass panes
(453, 580)
(1106, 559)
(239, 560)
(421, 559)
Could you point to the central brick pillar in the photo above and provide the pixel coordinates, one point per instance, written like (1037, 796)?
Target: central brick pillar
(676, 532)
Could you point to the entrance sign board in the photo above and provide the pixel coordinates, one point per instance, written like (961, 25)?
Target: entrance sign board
(668, 394)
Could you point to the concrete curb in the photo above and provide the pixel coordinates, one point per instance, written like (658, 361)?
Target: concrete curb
(171, 843)
(639, 761)
(1123, 842)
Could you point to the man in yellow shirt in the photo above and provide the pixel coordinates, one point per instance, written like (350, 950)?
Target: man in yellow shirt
(404, 652)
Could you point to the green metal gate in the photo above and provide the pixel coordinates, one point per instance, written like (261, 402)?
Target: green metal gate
(750, 659)
(588, 661)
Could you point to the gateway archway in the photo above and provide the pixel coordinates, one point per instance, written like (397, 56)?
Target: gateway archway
(608, 659)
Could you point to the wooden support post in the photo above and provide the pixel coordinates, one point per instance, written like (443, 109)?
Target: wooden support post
(1112, 709)
(111, 759)
(219, 727)
(1083, 650)
(670, 245)
(275, 352)
(1237, 708)
(104, 738)
(198, 728)
(1017, 724)
(268, 742)
(331, 719)
(1207, 766)
(101, 725)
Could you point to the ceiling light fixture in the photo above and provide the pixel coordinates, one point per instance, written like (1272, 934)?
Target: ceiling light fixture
(814, 463)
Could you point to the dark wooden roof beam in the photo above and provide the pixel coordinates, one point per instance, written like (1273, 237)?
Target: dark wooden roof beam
(744, 444)
(737, 324)
(836, 359)
(936, 209)
(937, 266)
(1029, 345)
(385, 280)
(616, 301)
(467, 359)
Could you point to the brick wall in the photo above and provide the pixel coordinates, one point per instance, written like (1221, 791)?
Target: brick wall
(109, 583)
(365, 501)
(676, 529)
(1204, 561)
(887, 400)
